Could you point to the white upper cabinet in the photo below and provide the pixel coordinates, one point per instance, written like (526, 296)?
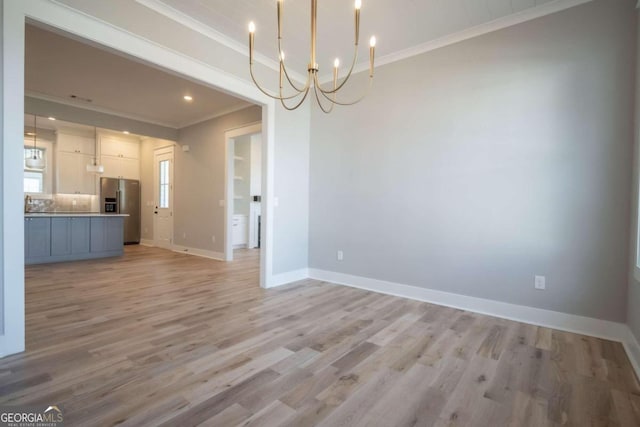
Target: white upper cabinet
(71, 174)
(120, 157)
(70, 143)
(119, 148)
(73, 154)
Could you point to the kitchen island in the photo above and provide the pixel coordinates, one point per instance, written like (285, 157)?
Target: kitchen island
(70, 236)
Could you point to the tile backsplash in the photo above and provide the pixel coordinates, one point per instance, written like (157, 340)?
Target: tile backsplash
(65, 203)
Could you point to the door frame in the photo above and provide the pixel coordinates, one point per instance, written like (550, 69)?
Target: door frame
(160, 151)
(229, 172)
(69, 20)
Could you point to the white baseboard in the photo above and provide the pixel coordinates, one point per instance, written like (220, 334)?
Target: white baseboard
(605, 329)
(218, 256)
(288, 277)
(632, 347)
(147, 242)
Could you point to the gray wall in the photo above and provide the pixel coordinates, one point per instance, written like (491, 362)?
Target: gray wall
(199, 180)
(474, 167)
(83, 116)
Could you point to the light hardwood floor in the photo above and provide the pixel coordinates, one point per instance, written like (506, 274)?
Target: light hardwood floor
(159, 338)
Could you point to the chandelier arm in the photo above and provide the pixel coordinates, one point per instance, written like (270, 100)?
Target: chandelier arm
(346, 79)
(267, 93)
(351, 102)
(284, 68)
(324, 110)
(306, 93)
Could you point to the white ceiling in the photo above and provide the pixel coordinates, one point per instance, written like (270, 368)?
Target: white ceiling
(57, 67)
(399, 25)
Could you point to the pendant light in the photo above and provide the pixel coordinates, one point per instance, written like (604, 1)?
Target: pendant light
(35, 161)
(95, 167)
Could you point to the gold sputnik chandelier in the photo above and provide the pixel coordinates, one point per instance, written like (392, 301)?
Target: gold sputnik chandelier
(298, 94)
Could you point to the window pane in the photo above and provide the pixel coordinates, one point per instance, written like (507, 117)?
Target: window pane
(33, 182)
(164, 184)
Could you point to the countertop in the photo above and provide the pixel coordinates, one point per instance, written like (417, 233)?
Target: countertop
(69, 214)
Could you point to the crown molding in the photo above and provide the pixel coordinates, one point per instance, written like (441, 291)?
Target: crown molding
(207, 31)
(479, 30)
(218, 114)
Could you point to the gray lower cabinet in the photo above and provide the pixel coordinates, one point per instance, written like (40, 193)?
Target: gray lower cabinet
(56, 239)
(70, 236)
(37, 237)
(60, 236)
(107, 234)
(80, 235)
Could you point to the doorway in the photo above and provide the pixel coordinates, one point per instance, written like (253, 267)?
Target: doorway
(15, 14)
(243, 189)
(163, 162)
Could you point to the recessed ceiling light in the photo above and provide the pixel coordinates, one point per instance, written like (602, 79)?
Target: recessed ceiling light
(126, 132)
(188, 98)
(52, 118)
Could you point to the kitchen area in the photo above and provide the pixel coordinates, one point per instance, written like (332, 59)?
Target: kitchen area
(82, 191)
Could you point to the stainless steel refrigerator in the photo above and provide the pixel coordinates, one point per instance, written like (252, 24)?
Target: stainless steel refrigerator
(122, 196)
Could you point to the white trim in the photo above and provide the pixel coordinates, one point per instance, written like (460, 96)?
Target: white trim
(97, 109)
(207, 31)
(218, 256)
(218, 114)
(147, 242)
(11, 173)
(289, 277)
(632, 347)
(519, 313)
(79, 24)
(229, 171)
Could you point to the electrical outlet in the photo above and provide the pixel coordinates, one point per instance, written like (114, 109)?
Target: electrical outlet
(184, 235)
(540, 283)
(340, 255)
(276, 202)
(74, 202)
(213, 239)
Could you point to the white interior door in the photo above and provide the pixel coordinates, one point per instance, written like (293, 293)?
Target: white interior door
(163, 189)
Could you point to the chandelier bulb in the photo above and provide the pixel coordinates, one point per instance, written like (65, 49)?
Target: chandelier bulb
(358, 4)
(336, 63)
(372, 41)
(252, 27)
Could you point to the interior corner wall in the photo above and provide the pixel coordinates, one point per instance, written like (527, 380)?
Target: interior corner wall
(474, 167)
(633, 298)
(199, 180)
